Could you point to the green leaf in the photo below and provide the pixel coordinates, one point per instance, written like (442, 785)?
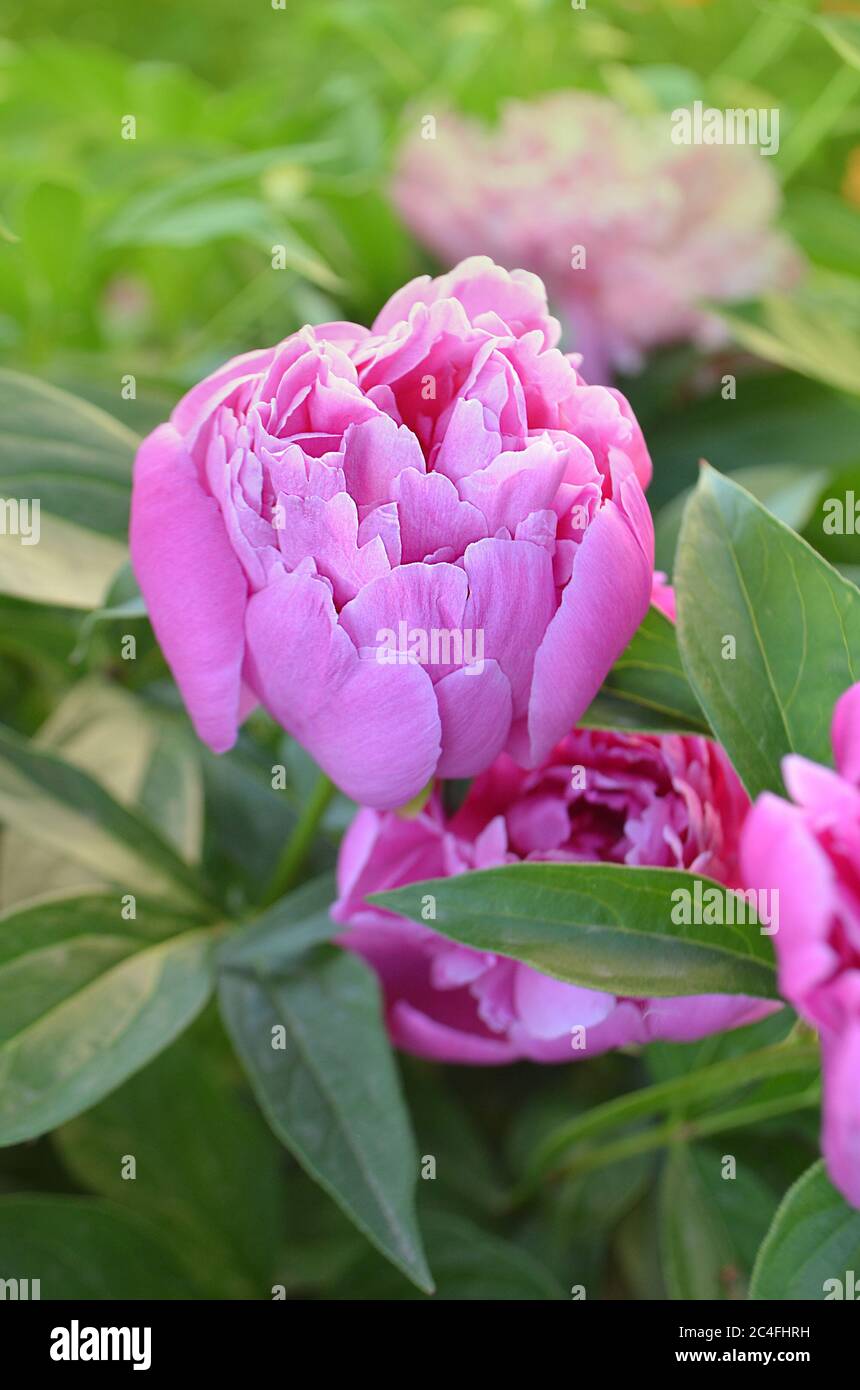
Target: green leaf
(331, 1091)
(744, 1204)
(142, 218)
(795, 621)
(695, 1249)
(647, 690)
(812, 331)
(298, 921)
(843, 32)
(469, 1263)
(788, 490)
(815, 1237)
(86, 999)
(81, 1248)
(139, 759)
(75, 461)
(74, 457)
(833, 527)
(207, 1168)
(605, 926)
(52, 220)
(55, 803)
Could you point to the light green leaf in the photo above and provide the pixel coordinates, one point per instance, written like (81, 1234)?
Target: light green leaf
(50, 800)
(87, 998)
(843, 32)
(815, 1237)
(796, 625)
(813, 331)
(142, 761)
(330, 1090)
(605, 926)
(75, 461)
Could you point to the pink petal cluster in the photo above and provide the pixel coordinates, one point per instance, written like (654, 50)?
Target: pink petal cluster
(667, 801)
(809, 851)
(314, 510)
(663, 226)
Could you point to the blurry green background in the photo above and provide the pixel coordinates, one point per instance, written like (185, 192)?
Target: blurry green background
(152, 258)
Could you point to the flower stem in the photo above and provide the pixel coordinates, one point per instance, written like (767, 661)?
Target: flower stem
(296, 849)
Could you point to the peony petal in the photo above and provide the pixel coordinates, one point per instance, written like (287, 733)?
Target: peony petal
(507, 578)
(550, 1008)
(373, 728)
(193, 584)
(841, 1128)
(601, 608)
(426, 599)
(475, 712)
(432, 516)
(846, 734)
(779, 852)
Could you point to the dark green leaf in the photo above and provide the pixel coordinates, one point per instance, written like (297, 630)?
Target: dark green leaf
(298, 921)
(207, 1169)
(796, 624)
(647, 690)
(79, 1248)
(695, 1248)
(330, 1091)
(815, 1237)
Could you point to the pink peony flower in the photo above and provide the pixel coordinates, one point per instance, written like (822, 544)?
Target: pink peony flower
(416, 546)
(671, 802)
(810, 853)
(663, 226)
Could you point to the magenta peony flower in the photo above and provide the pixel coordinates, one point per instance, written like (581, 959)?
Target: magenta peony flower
(671, 802)
(662, 226)
(416, 546)
(810, 853)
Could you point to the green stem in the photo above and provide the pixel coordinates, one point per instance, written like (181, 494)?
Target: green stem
(687, 1130)
(706, 1083)
(296, 849)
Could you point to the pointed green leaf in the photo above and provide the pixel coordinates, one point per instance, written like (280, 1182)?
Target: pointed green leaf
(742, 574)
(313, 1043)
(604, 926)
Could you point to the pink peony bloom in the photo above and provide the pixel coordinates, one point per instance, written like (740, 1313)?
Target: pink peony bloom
(810, 853)
(416, 546)
(663, 226)
(671, 802)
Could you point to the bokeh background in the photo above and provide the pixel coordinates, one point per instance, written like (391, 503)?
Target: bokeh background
(151, 259)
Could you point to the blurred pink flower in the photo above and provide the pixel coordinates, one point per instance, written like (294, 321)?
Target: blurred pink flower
(666, 801)
(416, 545)
(810, 853)
(663, 226)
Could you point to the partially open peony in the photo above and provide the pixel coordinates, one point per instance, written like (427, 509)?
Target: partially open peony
(416, 545)
(670, 802)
